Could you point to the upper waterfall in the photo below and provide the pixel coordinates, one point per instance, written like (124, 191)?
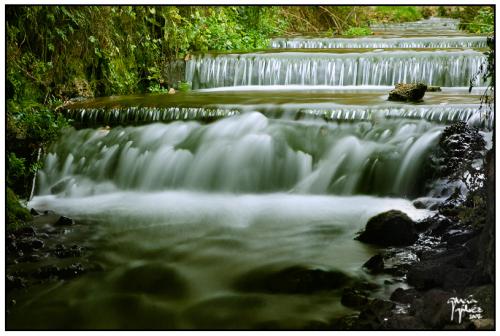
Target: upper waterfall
(380, 42)
(440, 67)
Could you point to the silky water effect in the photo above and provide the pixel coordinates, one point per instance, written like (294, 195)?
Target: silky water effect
(239, 180)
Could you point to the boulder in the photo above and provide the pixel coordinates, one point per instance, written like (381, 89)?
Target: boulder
(408, 92)
(406, 296)
(391, 228)
(375, 314)
(291, 280)
(353, 298)
(65, 221)
(375, 264)
(433, 308)
(449, 270)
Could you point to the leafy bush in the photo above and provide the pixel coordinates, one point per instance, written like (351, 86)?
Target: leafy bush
(184, 86)
(483, 22)
(397, 13)
(358, 31)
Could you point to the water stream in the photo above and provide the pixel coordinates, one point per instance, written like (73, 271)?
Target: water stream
(280, 159)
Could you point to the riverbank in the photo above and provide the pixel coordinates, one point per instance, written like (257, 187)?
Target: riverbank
(449, 269)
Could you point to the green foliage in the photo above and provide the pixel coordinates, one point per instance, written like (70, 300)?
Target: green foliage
(16, 214)
(358, 31)
(156, 88)
(184, 86)
(398, 13)
(30, 126)
(483, 22)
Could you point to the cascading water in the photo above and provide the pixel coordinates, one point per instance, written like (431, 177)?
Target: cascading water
(232, 180)
(249, 153)
(443, 68)
(380, 42)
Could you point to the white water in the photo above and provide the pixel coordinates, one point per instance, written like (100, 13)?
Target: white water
(443, 68)
(246, 153)
(381, 42)
(446, 113)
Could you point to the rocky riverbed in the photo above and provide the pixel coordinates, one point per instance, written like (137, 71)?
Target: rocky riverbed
(448, 268)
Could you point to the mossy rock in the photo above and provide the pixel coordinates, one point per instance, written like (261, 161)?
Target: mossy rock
(16, 214)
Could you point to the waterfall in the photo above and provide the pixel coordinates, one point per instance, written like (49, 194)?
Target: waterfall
(443, 68)
(380, 42)
(245, 153)
(126, 115)
(431, 24)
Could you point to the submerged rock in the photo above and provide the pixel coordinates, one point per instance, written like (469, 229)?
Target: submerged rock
(408, 92)
(153, 278)
(391, 228)
(291, 280)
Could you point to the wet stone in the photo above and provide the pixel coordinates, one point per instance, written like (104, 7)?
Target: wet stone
(27, 231)
(65, 221)
(375, 264)
(14, 282)
(404, 295)
(30, 244)
(390, 228)
(62, 251)
(353, 298)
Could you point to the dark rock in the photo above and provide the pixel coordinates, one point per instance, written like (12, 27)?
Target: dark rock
(14, 282)
(30, 244)
(403, 322)
(432, 88)
(404, 295)
(438, 224)
(27, 231)
(71, 271)
(459, 145)
(32, 258)
(391, 228)
(65, 221)
(485, 297)
(291, 280)
(426, 203)
(375, 314)
(450, 270)
(375, 264)
(460, 237)
(33, 212)
(419, 204)
(408, 92)
(153, 278)
(47, 272)
(433, 308)
(62, 251)
(55, 272)
(10, 243)
(353, 298)
(348, 322)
